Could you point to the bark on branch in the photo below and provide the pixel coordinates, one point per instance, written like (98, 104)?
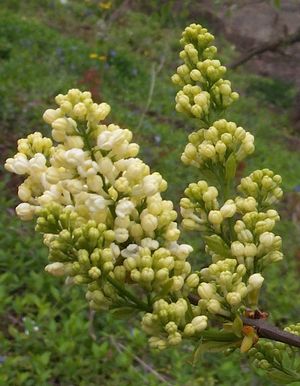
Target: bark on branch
(268, 331)
(270, 46)
(264, 329)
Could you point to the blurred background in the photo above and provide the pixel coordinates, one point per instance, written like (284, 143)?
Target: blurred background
(125, 52)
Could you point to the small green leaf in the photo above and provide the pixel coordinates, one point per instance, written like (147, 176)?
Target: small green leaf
(237, 326)
(212, 346)
(217, 245)
(230, 167)
(123, 312)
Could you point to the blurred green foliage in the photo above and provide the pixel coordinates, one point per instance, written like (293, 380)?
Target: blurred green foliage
(48, 336)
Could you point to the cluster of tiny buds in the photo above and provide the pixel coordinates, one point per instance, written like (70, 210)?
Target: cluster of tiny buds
(256, 246)
(201, 210)
(262, 185)
(175, 320)
(200, 77)
(215, 144)
(223, 290)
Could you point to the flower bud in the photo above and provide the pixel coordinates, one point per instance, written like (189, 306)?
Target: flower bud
(56, 269)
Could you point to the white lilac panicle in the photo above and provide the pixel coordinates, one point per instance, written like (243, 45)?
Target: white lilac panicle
(100, 208)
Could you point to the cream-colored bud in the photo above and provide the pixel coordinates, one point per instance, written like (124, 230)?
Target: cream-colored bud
(193, 280)
(214, 306)
(55, 269)
(178, 282)
(171, 328)
(215, 217)
(121, 235)
(62, 125)
(124, 207)
(199, 323)
(149, 223)
(189, 329)
(196, 75)
(234, 298)
(80, 110)
(73, 141)
(24, 193)
(51, 115)
(267, 239)
(255, 281)
(130, 263)
(174, 339)
(172, 234)
(162, 274)
(207, 151)
(250, 250)
(206, 290)
(147, 275)
(94, 273)
(122, 222)
(237, 249)
(211, 194)
(136, 231)
(25, 211)
(183, 251)
(228, 209)
(220, 148)
(94, 183)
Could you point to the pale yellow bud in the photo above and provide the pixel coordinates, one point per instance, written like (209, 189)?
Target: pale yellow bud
(24, 193)
(267, 239)
(80, 110)
(121, 235)
(206, 290)
(193, 280)
(237, 249)
(211, 194)
(233, 298)
(255, 281)
(178, 282)
(199, 323)
(228, 209)
(147, 275)
(189, 329)
(215, 217)
(174, 339)
(51, 115)
(214, 306)
(149, 223)
(55, 269)
(25, 211)
(94, 273)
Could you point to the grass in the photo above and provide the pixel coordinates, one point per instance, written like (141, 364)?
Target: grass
(48, 336)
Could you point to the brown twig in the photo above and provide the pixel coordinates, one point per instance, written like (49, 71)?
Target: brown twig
(264, 329)
(270, 46)
(268, 331)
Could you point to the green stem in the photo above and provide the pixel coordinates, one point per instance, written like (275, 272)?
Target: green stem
(124, 292)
